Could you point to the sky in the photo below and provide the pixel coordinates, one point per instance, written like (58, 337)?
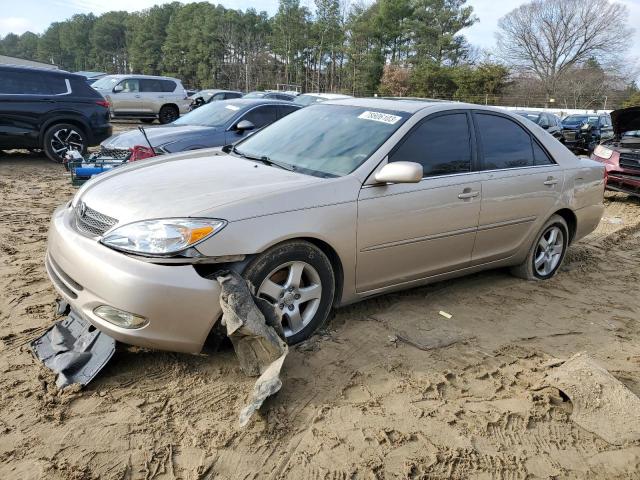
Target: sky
(36, 15)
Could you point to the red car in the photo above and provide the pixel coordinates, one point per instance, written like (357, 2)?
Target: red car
(621, 154)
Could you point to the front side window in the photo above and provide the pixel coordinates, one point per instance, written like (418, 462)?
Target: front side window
(324, 140)
(442, 145)
(130, 85)
(504, 143)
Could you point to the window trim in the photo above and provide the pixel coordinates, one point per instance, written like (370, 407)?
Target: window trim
(473, 165)
(532, 137)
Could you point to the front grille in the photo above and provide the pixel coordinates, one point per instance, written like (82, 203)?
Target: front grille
(91, 222)
(630, 160)
(117, 153)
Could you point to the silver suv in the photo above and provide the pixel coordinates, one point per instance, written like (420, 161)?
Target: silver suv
(144, 97)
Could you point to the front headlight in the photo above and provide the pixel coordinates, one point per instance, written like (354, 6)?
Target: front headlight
(162, 237)
(603, 152)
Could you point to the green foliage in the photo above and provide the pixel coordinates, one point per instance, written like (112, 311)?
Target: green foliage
(633, 100)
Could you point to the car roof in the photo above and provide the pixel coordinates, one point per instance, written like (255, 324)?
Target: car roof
(408, 106)
(255, 101)
(329, 96)
(49, 71)
(133, 75)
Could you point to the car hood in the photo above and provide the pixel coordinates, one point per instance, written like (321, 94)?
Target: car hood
(625, 120)
(158, 136)
(204, 183)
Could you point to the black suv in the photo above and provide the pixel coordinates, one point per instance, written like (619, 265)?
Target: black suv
(52, 110)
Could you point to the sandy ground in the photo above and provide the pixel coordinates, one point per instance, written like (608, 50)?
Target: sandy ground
(355, 404)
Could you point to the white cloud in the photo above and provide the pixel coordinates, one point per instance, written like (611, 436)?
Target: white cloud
(16, 25)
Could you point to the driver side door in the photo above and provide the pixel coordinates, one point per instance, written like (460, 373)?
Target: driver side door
(411, 231)
(128, 101)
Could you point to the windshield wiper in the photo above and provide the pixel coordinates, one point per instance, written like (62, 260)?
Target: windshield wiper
(264, 159)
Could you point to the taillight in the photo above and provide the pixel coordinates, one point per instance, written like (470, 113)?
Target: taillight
(140, 152)
(103, 103)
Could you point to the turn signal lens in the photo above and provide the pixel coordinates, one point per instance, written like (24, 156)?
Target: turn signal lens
(120, 318)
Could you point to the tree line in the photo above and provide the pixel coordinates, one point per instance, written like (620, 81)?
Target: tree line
(387, 47)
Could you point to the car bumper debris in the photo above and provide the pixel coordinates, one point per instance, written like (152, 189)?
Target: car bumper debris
(74, 349)
(254, 328)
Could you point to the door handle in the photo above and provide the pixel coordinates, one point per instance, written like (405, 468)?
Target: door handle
(551, 181)
(467, 194)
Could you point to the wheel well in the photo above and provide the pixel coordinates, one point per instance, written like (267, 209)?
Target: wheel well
(572, 221)
(336, 263)
(71, 121)
(169, 105)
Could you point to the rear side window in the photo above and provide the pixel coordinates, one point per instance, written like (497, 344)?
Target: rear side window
(286, 110)
(262, 116)
(442, 145)
(229, 95)
(504, 143)
(167, 85)
(540, 157)
(56, 85)
(24, 83)
(150, 85)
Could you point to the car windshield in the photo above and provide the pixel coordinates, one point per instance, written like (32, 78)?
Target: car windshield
(580, 119)
(214, 114)
(105, 83)
(305, 100)
(324, 140)
(531, 116)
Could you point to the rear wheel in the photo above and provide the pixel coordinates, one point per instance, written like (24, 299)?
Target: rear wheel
(168, 114)
(547, 252)
(61, 138)
(297, 277)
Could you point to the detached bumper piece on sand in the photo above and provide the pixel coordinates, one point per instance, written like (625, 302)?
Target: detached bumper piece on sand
(74, 349)
(77, 351)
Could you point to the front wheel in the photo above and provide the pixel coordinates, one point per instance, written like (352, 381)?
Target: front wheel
(61, 138)
(168, 114)
(547, 252)
(297, 277)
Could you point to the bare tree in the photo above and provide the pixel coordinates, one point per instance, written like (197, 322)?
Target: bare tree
(549, 37)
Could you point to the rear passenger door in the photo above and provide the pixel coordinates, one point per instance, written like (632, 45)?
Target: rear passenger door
(151, 91)
(520, 187)
(408, 232)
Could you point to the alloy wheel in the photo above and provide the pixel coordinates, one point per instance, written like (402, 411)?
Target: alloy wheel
(549, 251)
(66, 139)
(295, 289)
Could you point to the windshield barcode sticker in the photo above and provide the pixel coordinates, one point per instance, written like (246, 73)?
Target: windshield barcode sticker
(232, 107)
(380, 117)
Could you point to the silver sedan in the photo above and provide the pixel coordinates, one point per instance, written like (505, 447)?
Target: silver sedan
(332, 204)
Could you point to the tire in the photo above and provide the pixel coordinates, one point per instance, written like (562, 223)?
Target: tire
(543, 262)
(147, 120)
(168, 113)
(60, 138)
(304, 306)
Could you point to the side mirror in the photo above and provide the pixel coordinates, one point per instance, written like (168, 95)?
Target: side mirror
(400, 172)
(118, 88)
(243, 125)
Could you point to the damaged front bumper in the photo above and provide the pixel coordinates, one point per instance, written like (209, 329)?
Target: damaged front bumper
(181, 306)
